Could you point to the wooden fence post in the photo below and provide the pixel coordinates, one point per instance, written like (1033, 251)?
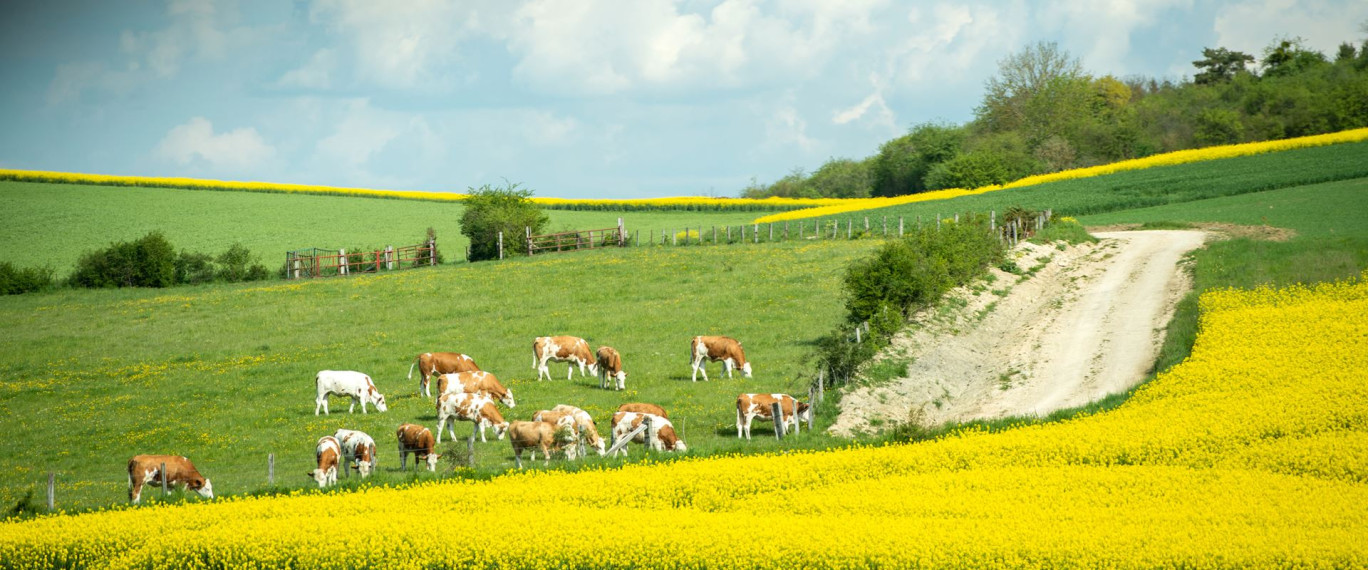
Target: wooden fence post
(743, 233)
(885, 226)
(801, 223)
(771, 226)
(674, 237)
(501, 245)
(52, 490)
(714, 235)
(342, 261)
(850, 228)
(957, 217)
(728, 234)
(755, 232)
(821, 384)
(937, 221)
(992, 220)
(622, 234)
(778, 420)
(866, 224)
(646, 423)
(270, 468)
(786, 233)
(470, 451)
(857, 335)
(527, 231)
(162, 474)
(900, 226)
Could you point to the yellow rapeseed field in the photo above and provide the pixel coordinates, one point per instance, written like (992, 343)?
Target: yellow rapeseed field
(1166, 159)
(1253, 452)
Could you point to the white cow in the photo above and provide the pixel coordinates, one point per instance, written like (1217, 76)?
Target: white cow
(585, 424)
(354, 385)
(357, 448)
(475, 408)
(661, 436)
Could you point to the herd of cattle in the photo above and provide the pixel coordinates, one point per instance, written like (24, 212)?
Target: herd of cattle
(467, 393)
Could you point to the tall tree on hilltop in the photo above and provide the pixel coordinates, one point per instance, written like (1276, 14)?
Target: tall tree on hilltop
(1219, 65)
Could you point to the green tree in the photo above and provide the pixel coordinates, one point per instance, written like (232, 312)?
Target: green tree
(1289, 57)
(1037, 72)
(490, 210)
(842, 178)
(1219, 65)
(903, 163)
(149, 261)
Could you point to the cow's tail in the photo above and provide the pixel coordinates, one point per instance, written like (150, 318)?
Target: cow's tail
(415, 363)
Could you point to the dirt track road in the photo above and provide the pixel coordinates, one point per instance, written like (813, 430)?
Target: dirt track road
(1088, 323)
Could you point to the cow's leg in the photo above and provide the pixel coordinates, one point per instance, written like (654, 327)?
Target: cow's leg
(318, 404)
(739, 420)
(546, 455)
(426, 391)
(482, 432)
(570, 371)
(727, 367)
(352, 409)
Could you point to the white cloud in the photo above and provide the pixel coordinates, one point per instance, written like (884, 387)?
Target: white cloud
(236, 151)
(73, 79)
(545, 128)
(317, 73)
(1251, 26)
(883, 116)
(407, 45)
(786, 127)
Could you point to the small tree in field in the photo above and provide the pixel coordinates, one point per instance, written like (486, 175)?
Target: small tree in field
(490, 210)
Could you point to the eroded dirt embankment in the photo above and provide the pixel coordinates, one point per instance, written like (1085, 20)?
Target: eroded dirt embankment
(1087, 322)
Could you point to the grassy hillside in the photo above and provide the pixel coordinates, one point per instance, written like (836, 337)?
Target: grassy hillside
(225, 373)
(52, 224)
(1158, 185)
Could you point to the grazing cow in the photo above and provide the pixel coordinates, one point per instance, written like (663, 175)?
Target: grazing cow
(540, 435)
(147, 470)
(359, 450)
(571, 349)
(328, 452)
(354, 385)
(434, 363)
(585, 424)
(660, 437)
(715, 349)
(562, 421)
(642, 408)
(475, 408)
(477, 382)
(610, 368)
(751, 406)
(417, 440)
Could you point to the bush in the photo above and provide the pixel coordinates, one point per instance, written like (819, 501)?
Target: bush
(194, 268)
(17, 280)
(236, 265)
(146, 262)
(490, 210)
(904, 276)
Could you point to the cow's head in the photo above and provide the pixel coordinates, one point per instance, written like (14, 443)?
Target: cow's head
(622, 380)
(319, 476)
(746, 369)
(364, 467)
(804, 411)
(501, 429)
(205, 489)
(593, 367)
(507, 399)
(379, 400)
(432, 461)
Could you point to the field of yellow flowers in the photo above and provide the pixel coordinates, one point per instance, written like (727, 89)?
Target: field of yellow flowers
(1253, 452)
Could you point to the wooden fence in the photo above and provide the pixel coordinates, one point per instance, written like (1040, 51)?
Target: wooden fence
(315, 262)
(1009, 229)
(573, 241)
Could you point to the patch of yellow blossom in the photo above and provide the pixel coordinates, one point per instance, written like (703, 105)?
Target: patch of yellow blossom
(1251, 453)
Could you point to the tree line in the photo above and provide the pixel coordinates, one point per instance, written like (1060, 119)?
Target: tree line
(1043, 112)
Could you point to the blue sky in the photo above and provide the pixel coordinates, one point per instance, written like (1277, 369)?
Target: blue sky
(573, 98)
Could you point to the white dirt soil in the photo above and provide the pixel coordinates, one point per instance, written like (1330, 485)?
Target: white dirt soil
(1087, 322)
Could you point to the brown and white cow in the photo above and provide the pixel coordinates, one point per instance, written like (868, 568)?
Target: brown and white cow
(354, 385)
(751, 406)
(417, 440)
(660, 437)
(717, 349)
(358, 449)
(562, 421)
(474, 408)
(147, 470)
(585, 424)
(610, 368)
(327, 453)
(478, 382)
(571, 349)
(644, 408)
(435, 363)
(545, 436)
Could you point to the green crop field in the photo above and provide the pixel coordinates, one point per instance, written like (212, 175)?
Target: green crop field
(225, 373)
(1156, 186)
(52, 224)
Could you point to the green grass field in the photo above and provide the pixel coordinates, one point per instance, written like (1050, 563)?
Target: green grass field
(225, 373)
(52, 224)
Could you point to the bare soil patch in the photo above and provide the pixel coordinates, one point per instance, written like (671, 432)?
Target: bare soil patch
(1084, 322)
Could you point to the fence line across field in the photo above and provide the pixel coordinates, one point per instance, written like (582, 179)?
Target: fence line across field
(316, 262)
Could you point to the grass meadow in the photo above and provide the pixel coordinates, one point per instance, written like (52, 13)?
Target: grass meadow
(52, 224)
(224, 374)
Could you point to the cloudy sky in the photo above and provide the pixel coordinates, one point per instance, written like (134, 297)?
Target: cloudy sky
(573, 98)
